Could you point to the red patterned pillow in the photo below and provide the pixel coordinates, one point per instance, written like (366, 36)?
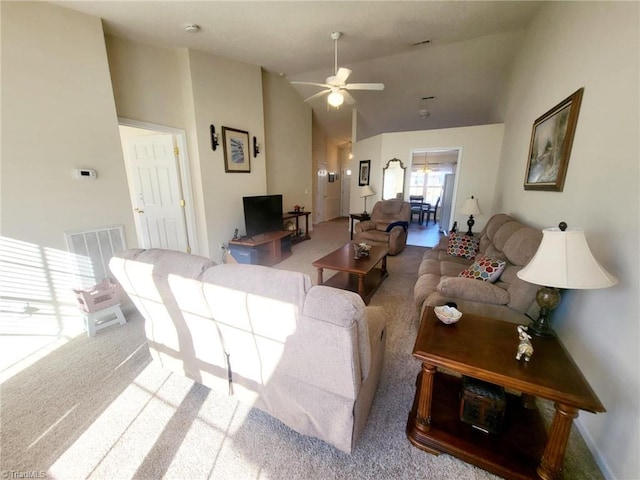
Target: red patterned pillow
(485, 268)
(461, 245)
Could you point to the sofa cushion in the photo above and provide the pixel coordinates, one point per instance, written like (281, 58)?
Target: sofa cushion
(391, 207)
(342, 308)
(470, 289)
(522, 245)
(462, 245)
(485, 268)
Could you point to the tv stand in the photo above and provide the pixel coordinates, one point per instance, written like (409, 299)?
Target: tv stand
(265, 249)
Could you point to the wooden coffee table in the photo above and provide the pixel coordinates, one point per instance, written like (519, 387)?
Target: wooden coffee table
(485, 349)
(361, 276)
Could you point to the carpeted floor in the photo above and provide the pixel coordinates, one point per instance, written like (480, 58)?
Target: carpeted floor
(97, 408)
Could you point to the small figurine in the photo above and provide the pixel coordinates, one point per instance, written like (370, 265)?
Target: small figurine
(524, 348)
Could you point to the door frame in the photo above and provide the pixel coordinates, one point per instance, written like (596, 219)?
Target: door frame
(184, 174)
(456, 173)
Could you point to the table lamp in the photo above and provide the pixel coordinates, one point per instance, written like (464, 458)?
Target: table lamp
(563, 260)
(365, 192)
(470, 207)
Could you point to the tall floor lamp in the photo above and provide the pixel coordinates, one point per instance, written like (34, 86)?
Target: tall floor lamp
(563, 260)
(365, 192)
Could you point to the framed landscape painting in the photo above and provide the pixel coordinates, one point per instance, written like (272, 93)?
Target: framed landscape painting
(236, 150)
(550, 147)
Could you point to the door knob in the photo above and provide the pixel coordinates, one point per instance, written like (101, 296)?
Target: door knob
(138, 211)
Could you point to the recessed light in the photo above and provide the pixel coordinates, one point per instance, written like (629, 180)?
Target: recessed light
(192, 28)
(424, 113)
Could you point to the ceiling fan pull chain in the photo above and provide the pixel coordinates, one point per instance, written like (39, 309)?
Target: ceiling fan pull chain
(335, 63)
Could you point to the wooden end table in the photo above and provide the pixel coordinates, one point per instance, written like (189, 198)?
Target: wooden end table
(485, 349)
(361, 276)
(361, 217)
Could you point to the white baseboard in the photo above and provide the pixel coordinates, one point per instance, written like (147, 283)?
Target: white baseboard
(602, 463)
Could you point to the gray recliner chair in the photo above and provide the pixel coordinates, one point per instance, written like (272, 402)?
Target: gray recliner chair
(387, 226)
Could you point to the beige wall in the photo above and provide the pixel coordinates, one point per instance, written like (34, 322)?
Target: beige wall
(601, 194)
(287, 142)
(480, 147)
(58, 114)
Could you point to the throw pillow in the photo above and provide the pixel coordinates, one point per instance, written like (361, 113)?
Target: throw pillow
(485, 268)
(462, 245)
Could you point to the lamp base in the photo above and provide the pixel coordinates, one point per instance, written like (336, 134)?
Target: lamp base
(548, 299)
(470, 224)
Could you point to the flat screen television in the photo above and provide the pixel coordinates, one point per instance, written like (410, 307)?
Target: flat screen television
(262, 214)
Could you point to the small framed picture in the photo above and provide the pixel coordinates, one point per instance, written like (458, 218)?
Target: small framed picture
(363, 177)
(551, 141)
(236, 150)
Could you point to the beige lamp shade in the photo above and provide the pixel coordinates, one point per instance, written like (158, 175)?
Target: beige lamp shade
(366, 191)
(471, 207)
(564, 260)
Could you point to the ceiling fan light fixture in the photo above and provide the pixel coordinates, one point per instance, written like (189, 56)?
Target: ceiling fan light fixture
(335, 99)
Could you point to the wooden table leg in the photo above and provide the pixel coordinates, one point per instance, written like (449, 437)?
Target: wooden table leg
(320, 281)
(351, 228)
(384, 266)
(361, 286)
(423, 416)
(553, 456)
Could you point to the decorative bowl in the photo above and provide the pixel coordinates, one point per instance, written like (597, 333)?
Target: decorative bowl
(447, 314)
(361, 250)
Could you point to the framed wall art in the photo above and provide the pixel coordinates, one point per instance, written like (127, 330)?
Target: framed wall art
(236, 150)
(365, 170)
(550, 147)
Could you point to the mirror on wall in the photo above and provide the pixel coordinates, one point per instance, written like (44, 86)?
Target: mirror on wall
(393, 179)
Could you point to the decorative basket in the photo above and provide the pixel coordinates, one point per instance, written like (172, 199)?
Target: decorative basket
(98, 297)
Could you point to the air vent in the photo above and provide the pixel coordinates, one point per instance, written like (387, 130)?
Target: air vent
(423, 42)
(92, 250)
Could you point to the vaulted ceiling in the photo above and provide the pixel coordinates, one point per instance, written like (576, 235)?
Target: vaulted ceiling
(458, 52)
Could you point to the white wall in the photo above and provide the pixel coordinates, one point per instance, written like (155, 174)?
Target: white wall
(287, 142)
(595, 46)
(477, 170)
(226, 93)
(58, 114)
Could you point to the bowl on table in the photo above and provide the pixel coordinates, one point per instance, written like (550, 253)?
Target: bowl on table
(447, 314)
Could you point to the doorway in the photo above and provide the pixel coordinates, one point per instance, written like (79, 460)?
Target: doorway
(159, 185)
(345, 197)
(433, 176)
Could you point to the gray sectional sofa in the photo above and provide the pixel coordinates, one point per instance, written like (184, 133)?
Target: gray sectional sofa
(509, 298)
(310, 356)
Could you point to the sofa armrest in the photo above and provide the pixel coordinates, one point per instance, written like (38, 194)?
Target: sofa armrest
(472, 289)
(364, 226)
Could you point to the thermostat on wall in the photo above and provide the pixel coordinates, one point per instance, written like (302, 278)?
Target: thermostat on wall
(86, 173)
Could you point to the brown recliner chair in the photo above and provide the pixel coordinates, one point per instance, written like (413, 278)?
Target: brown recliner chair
(387, 226)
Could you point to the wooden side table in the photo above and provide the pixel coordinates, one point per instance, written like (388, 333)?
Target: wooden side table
(485, 349)
(360, 217)
(297, 237)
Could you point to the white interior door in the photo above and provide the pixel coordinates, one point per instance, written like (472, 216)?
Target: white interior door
(321, 199)
(155, 192)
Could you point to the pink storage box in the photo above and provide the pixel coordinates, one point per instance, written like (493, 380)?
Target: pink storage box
(98, 297)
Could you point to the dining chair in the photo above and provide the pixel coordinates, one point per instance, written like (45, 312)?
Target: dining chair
(427, 210)
(416, 207)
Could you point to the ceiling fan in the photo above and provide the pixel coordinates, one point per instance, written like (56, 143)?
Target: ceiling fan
(336, 85)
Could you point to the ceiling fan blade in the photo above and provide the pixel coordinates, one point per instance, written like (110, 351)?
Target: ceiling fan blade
(364, 86)
(324, 85)
(347, 97)
(319, 94)
(342, 75)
